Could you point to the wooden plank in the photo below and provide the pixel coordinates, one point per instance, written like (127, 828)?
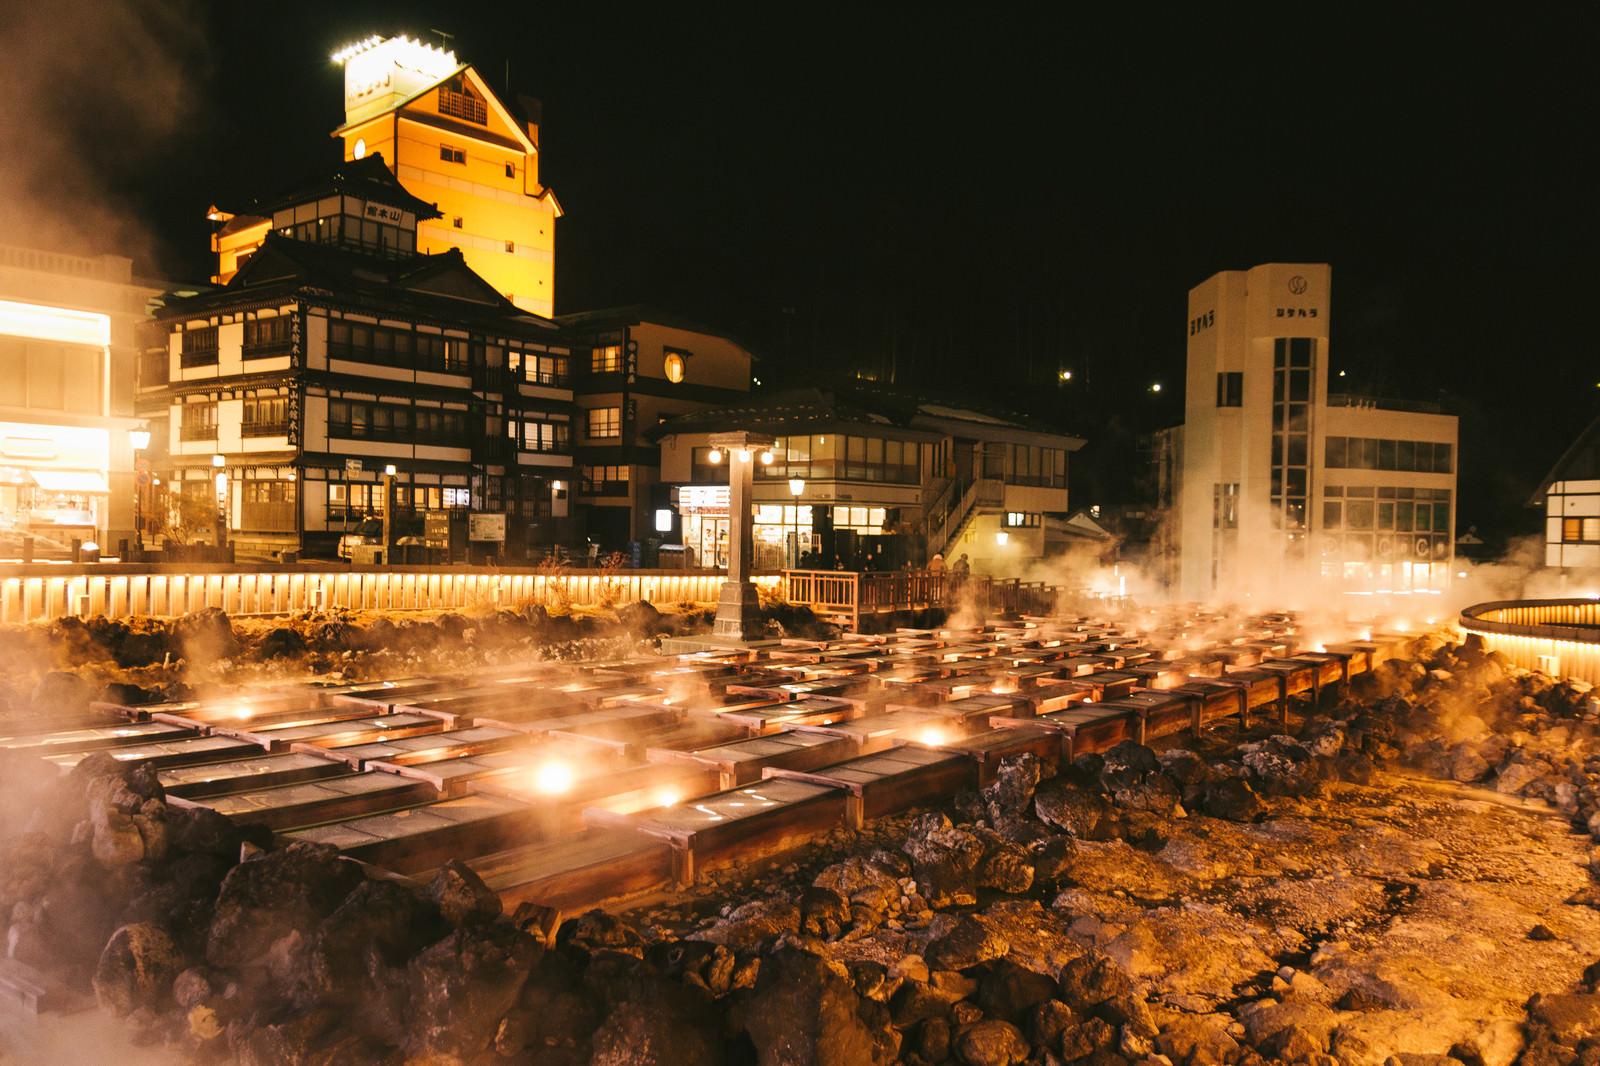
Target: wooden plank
(255, 772)
(187, 751)
(580, 871)
(904, 776)
(742, 761)
(305, 803)
(423, 837)
(1017, 736)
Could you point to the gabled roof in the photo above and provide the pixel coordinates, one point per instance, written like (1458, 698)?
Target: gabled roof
(817, 409)
(635, 315)
(1580, 462)
(439, 286)
(491, 99)
(368, 179)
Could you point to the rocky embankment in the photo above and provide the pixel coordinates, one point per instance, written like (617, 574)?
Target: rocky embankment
(1406, 878)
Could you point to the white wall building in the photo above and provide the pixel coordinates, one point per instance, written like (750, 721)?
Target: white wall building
(67, 353)
(1281, 485)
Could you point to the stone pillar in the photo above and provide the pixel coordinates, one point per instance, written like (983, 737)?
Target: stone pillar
(738, 607)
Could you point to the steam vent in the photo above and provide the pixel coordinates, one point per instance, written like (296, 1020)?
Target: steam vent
(1186, 839)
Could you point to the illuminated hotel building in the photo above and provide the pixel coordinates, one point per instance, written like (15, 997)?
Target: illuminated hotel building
(1276, 481)
(340, 372)
(67, 353)
(454, 143)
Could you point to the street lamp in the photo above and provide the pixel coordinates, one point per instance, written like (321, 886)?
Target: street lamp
(220, 482)
(138, 440)
(388, 510)
(797, 485)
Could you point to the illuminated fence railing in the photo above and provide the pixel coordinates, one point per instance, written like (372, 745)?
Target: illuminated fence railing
(38, 593)
(1559, 637)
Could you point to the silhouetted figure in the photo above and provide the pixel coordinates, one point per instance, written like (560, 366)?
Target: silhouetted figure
(961, 566)
(936, 564)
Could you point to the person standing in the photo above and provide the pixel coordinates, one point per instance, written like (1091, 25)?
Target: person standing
(961, 566)
(936, 564)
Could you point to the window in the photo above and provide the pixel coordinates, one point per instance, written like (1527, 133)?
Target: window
(511, 170)
(542, 368)
(457, 222)
(459, 101)
(511, 246)
(1580, 530)
(605, 480)
(1021, 520)
(1365, 453)
(452, 155)
(199, 346)
(672, 367)
(198, 421)
(367, 420)
(265, 416)
(542, 435)
(605, 360)
(265, 337)
(605, 422)
(1230, 389)
(365, 343)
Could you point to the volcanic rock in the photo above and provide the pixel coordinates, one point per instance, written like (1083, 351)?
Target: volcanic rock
(461, 895)
(991, 1043)
(463, 985)
(274, 892)
(658, 1022)
(803, 1014)
(969, 941)
(136, 969)
(1073, 808)
(944, 860)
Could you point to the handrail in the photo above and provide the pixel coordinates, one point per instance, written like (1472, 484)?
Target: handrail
(1558, 636)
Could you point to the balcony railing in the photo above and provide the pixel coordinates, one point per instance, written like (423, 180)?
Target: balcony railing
(263, 429)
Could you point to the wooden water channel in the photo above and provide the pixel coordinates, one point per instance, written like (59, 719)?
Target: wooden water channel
(570, 785)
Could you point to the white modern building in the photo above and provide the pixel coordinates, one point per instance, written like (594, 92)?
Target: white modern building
(1277, 484)
(67, 352)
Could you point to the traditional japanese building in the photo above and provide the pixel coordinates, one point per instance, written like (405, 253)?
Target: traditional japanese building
(1274, 481)
(342, 374)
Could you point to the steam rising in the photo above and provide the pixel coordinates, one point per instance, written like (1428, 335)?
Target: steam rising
(96, 89)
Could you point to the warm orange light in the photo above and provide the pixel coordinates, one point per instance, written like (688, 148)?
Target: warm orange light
(553, 777)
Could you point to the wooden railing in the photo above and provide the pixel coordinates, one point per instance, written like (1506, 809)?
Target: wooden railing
(39, 592)
(1559, 637)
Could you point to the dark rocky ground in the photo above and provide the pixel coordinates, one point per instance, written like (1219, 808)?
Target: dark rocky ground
(1405, 876)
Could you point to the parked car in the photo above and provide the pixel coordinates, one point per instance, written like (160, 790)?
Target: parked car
(407, 530)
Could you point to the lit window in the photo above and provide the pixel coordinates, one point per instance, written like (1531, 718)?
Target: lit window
(674, 367)
(605, 422)
(605, 360)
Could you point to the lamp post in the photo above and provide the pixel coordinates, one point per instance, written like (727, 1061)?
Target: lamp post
(218, 463)
(738, 607)
(138, 440)
(797, 485)
(388, 511)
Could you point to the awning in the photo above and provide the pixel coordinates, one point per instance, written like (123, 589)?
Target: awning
(86, 481)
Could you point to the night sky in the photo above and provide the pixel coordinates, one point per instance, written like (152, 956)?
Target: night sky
(960, 199)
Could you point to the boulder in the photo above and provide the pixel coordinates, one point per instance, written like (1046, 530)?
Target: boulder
(970, 941)
(461, 895)
(463, 986)
(1010, 992)
(274, 892)
(1074, 808)
(990, 1043)
(137, 969)
(1011, 791)
(658, 1022)
(944, 860)
(802, 1013)
(1232, 799)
